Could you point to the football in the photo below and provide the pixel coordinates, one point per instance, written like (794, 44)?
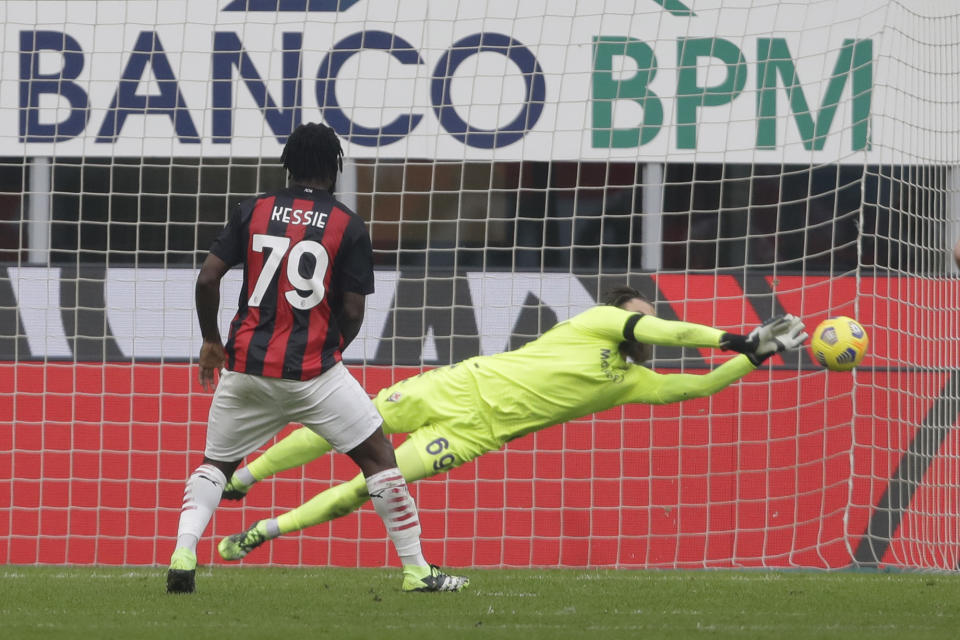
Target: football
(839, 343)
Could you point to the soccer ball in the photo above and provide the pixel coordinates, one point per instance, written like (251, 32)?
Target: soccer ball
(839, 343)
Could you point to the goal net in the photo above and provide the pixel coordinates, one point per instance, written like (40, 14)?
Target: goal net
(732, 159)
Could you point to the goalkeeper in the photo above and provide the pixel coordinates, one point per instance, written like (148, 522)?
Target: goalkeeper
(453, 414)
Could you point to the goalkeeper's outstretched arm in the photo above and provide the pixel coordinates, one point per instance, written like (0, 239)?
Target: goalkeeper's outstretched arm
(635, 326)
(650, 387)
(620, 324)
(775, 334)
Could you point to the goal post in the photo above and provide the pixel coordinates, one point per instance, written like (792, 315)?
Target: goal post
(731, 159)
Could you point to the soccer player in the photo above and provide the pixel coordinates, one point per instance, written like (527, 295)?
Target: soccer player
(307, 267)
(453, 414)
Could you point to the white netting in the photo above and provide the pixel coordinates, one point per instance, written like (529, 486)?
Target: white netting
(732, 159)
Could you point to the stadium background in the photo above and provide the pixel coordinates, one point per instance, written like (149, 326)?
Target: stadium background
(480, 248)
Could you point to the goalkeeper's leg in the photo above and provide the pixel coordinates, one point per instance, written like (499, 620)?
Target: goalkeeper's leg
(298, 448)
(394, 506)
(346, 498)
(427, 452)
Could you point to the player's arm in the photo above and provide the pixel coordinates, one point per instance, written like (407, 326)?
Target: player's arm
(207, 295)
(769, 338)
(227, 250)
(672, 333)
(655, 388)
(650, 387)
(351, 316)
(355, 275)
(620, 324)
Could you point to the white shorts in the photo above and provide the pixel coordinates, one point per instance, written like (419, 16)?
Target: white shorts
(248, 410)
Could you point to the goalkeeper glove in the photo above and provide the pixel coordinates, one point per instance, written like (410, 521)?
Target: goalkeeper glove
(776, 334)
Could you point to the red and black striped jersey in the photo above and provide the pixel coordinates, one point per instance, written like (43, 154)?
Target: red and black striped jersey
(301, 249)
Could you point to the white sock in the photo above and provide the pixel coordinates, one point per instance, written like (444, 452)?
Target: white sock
(392, 501)
(200, 499)
(272, 528)
(244, 477)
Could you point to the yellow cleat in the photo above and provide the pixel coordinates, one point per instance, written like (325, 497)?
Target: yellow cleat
(237, 546)
(431, 579)
(181, 576)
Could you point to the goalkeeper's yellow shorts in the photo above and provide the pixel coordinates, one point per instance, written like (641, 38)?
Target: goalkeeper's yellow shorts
(441, 412)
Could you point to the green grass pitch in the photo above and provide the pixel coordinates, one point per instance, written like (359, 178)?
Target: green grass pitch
(248, 602)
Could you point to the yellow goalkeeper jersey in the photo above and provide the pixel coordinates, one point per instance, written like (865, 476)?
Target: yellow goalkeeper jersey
(572, 370)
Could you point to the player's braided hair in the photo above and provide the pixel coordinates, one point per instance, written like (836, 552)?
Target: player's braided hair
(312, 152)
(619, 295)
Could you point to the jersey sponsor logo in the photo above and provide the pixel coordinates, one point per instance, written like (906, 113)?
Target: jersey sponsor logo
(608, 371)
(395, 397)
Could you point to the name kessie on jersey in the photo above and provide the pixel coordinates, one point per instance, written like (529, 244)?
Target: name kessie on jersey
(308, 218)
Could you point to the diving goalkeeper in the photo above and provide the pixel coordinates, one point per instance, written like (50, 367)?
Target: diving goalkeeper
(453, 414)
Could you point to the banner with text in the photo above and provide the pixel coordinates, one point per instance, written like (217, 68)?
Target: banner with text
(636, 80)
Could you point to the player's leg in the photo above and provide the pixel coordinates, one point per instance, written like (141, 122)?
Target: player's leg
(409, 404)
(343, 499)
(241, 418)
(339, 500)
(392, 501)
(390, 496)
(298, 448)
(427, 452)
(344, 415)
(200, 499)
